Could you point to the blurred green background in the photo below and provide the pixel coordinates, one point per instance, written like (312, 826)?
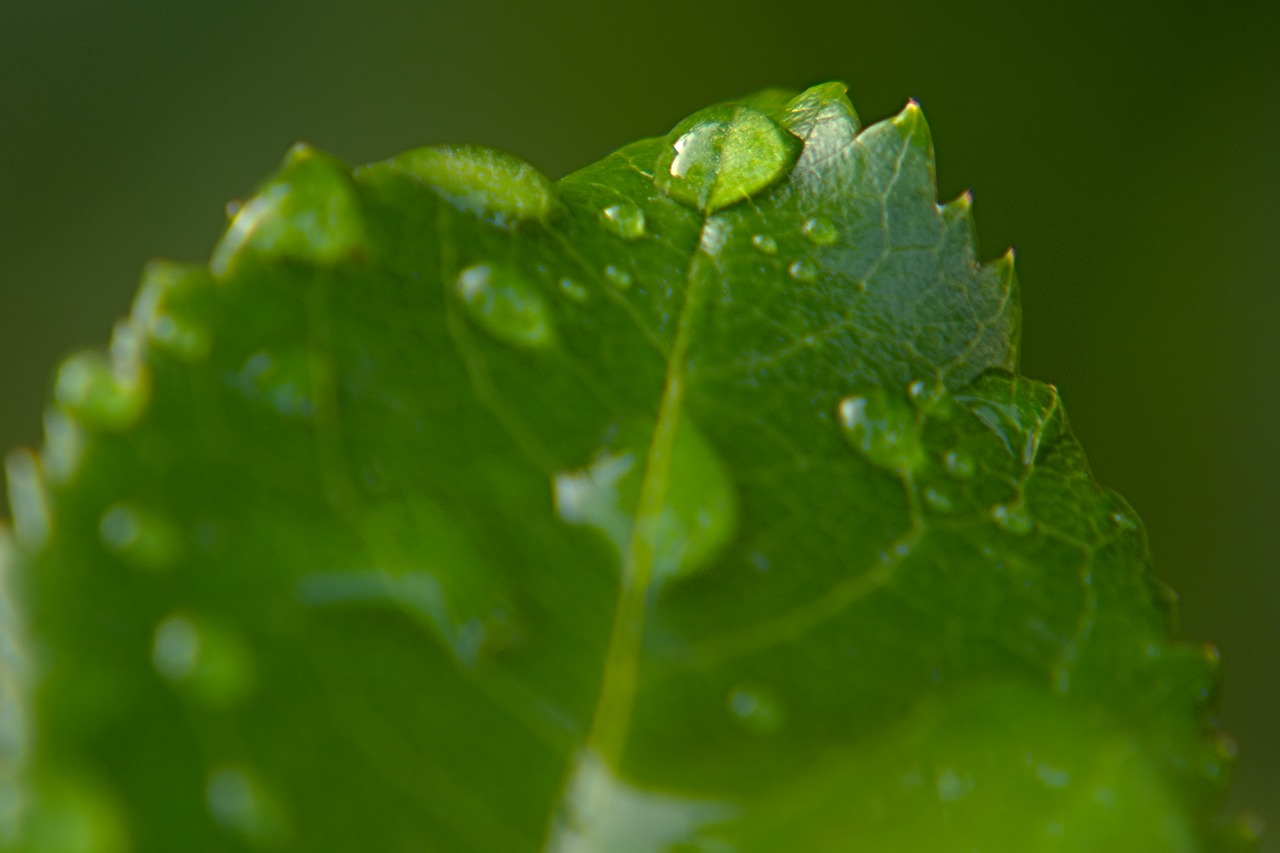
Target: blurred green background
(1127, 150)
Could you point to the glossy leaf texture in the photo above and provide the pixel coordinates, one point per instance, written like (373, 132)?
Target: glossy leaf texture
(692, 502)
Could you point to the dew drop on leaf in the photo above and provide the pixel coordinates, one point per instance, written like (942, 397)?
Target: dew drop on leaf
(495, 186)
(623, 220)
(765, 244)
(802, 270)
(1012, 518)
(144, 538)
(505, 304)
(617, 276)
(211, 664)
(820, 231)
(755, 708)
(238, 801)
(724, 155)
(959, 464)
(882, 429)
(938, 500)
(573, 290)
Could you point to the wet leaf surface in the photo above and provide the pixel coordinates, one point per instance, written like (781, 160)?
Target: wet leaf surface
(692, 502)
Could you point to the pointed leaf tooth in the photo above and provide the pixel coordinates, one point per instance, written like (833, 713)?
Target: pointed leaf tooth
(168, 309)
(309, 212)
(101, 393)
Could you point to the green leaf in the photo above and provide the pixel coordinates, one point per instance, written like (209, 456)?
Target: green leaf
(692, 502)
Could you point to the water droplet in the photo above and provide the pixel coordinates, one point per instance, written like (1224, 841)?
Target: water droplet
(820, 231)
(309, 211)
(930, 397)
(602, 811)
(238, 801)
(209, 662)
(1052, 777)
(144, 538)
(503, 303)
(938, 500)
(623, 220)
(599, 496)
(493, 185)
(281, 380)
(881, 429)
(952, 785)
(1123, 521)
(575, 291)
(1013, 518)
(723, 155)
(617, 276)
(755, 709)
(102, 394)
(802, 270)
(959, 464)
(765, 244)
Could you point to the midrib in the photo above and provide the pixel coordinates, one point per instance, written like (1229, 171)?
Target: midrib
(612, 718)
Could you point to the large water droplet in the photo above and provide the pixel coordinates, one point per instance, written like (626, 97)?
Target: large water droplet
(820, 231)
(1013, 518)
(144, 538)
(882, 429)
(623, 220)
(211, 663)
(698, 516)
(723, 155)
(240, 802)
(755, 708)
(504, 303)
(493, 185)
(601, 495)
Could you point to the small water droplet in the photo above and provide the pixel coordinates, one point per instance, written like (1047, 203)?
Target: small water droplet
(281, 380)
(1013, 518)
(930, 396)
(938, 500)
(492, 185)
(209, 662)
(575, 291)
(723, 155)
(617, 276)
(505, 304)
(802, 270)
(623, 220)
(820, 231)
(881, 429)
(765, 244)
(1123, 521)
(238, 801)
(144, 538)
(1052, 777)
(952, 785)
(755, 708)
(959, 464)
(109, 395)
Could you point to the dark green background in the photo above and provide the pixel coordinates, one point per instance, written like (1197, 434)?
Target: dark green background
(1127, 150)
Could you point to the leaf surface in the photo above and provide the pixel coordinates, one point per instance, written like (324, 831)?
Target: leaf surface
(691, 502)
